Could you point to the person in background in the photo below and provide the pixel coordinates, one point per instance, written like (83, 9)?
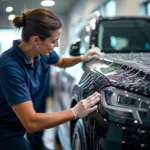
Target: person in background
(24, 71)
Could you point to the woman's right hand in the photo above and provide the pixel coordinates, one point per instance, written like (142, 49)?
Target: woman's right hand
(86, 106)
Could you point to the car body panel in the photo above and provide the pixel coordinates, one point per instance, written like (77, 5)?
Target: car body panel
(118, 126)
(127, 71)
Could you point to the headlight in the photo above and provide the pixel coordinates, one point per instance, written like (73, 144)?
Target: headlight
(126, 106)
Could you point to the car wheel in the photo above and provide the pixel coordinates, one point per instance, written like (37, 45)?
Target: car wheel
(78, 138)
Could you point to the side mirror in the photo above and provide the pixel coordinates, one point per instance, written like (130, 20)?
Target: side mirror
(75, 49)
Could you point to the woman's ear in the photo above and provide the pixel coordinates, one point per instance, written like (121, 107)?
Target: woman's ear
(35, 40)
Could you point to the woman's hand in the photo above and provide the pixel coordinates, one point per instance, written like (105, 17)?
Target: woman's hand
(92, 53)
(86, 106)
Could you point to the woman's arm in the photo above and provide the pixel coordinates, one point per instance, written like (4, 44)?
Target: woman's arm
(33, 121)
(90, 54)
(68, 62)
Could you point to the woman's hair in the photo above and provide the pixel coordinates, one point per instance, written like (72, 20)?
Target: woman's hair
(37, 22)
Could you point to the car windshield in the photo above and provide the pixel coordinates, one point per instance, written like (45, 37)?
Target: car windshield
(128, 35)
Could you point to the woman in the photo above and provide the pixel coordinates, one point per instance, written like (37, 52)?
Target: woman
(24, 71)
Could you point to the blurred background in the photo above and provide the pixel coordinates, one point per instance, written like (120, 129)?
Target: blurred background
(73, 14)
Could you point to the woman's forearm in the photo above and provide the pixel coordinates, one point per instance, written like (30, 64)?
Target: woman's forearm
(68, 62)
(42, 121)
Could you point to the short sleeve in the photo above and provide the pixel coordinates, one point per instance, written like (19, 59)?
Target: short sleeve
(52, 58)
(13, 85)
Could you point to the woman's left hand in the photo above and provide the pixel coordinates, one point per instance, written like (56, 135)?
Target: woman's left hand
(92, 53)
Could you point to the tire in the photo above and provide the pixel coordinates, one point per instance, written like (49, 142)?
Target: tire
(78, 137)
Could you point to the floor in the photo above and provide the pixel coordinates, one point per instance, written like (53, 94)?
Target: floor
(48, 136)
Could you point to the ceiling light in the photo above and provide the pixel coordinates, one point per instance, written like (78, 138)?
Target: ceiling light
(87, 28)
(97, 13)
(11, 17)
(9, 9)
(87, 38)
(47, 3)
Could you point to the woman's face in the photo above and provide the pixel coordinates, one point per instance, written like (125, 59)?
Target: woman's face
(44, 47)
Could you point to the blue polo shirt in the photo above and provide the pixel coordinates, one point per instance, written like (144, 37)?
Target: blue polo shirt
(20, 81)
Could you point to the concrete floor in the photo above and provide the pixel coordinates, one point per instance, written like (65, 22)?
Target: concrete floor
(48, 136)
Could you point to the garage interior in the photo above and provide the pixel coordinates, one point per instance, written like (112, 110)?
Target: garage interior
(73, 14)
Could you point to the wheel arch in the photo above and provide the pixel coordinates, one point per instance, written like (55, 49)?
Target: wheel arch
(73, 122)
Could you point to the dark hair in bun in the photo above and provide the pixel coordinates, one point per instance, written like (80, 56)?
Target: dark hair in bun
(37, 22)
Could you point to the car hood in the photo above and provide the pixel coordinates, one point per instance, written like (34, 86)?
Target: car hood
(129, 71)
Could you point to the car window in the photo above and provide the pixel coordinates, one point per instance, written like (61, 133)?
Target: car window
(128, 35)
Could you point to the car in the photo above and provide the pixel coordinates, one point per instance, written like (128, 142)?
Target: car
(122, 77)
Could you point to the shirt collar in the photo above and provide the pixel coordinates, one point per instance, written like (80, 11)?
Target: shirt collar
(21, 54)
